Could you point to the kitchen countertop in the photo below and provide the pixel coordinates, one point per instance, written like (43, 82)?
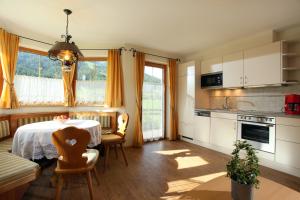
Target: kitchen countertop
(250, 112)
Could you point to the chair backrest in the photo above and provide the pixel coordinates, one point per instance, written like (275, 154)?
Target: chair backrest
(71, 143)
(123, 120)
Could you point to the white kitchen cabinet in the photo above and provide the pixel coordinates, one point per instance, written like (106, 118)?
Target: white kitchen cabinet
(262, 65)
(186, 99)
(211, 65)
(288, 142)
(233, 70)
(201, 128)
(223, 131)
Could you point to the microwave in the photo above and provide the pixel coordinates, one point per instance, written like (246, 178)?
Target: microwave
(212, 80)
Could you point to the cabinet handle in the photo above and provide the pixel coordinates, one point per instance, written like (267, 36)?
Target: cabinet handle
(241, 80)
(246, 79)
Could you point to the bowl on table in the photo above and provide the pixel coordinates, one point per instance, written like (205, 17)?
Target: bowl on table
(61, 119)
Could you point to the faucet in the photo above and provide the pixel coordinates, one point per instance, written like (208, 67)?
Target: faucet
(226, 105)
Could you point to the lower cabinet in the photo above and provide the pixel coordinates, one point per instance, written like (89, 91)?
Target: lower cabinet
(201, 128)
(288, 142)
(223, 132)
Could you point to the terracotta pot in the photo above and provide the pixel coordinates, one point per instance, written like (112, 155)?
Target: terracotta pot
(241, 191)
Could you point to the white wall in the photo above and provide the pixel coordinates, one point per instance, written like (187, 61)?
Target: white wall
(129, 85)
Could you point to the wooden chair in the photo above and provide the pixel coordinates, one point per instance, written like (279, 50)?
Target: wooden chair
(74, 158)
(114, 139)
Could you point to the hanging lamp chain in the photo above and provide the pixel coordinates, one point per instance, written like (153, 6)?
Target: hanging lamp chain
(67, 36)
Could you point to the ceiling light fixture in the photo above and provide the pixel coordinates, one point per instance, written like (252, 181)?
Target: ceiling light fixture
(67, 52)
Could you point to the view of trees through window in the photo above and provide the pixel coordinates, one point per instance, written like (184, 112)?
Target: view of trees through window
(153, 103)
(91, 82)
(38, 79)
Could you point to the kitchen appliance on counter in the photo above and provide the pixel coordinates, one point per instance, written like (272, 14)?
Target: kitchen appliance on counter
(214, 80)
(292, 104)
(257, 130)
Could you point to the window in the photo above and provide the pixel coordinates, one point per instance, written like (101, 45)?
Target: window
(38, 80)
(153, 119)
(91, 82)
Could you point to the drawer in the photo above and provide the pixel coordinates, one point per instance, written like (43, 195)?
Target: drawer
(287, 153)
(288, 121)
(224, 115)
(288, 133)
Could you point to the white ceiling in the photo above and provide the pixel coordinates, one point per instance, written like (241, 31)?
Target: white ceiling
(175, 26)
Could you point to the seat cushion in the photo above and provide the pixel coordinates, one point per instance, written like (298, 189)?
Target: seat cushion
(111, 138)
(5, 145)
(92, 156)
(15, 170)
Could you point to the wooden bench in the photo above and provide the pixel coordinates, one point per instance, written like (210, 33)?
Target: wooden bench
(5, 134)
(15, 175)
(108, 120)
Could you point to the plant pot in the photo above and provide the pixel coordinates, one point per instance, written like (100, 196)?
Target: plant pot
(241, 191)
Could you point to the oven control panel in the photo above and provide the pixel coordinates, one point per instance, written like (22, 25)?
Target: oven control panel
(258, 119)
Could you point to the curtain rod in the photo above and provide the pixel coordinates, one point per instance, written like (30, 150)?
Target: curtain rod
(150, 54)
(122, 48)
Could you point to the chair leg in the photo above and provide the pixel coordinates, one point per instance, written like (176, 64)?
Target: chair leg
(116, 151)
(59, 186)
(89, 180)
(106, 156)
(123, 153)
(96, 175)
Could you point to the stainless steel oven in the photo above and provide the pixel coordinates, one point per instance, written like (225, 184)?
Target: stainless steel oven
(259, 131)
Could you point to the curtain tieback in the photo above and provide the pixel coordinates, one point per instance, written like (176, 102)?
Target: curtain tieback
(8, 83)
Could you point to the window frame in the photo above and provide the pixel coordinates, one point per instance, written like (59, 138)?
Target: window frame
(164, 67)
(82, 59)
(41, 53)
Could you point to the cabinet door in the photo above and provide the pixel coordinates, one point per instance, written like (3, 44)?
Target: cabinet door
(233, 70)
(262, 65)
(211, 65)
(186, 100)
(201, 128)
(223, 132)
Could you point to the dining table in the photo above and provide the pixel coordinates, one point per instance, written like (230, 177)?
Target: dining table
(33, 141)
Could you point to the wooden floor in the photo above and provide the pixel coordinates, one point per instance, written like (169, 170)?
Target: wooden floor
(159, 170)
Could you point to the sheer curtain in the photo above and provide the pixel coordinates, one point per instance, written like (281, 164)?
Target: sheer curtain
(39, 90)
(91, 82)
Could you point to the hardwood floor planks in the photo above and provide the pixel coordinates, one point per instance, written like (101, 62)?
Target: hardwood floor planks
(152, 173)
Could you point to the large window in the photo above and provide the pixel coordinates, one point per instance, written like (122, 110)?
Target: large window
(38, 80)
(153, 119)
(91, 82)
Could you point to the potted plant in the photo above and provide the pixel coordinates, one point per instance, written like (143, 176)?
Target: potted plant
(243, 171)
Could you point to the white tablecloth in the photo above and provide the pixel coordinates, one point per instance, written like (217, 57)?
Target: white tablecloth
(33, 141)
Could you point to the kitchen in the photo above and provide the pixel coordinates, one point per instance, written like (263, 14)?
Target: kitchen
(246, 89)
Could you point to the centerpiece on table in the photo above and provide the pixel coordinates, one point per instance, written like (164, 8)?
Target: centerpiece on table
(243, 171)
(61, 118)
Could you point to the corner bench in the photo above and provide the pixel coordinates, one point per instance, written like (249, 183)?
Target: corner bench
(15, 175)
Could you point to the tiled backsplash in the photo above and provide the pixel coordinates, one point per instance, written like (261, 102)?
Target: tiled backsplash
(269, 99)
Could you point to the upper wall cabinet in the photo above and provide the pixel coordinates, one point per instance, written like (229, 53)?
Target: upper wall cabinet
(233, 70)
(262, 65)
(211, 65)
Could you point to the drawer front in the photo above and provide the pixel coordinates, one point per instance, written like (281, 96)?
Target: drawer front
(224, 115)
(288, 133)
(288, 121)
(287, 153)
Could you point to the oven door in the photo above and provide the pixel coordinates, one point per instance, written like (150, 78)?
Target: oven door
(261, 136)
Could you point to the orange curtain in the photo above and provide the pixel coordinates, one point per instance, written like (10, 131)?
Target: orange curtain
(9, 46)
(1, 77)
(138, 139)
(68, 87)
(172, 88)
(114, 96)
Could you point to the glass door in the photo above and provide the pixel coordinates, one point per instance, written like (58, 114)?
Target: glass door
(153, 119)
